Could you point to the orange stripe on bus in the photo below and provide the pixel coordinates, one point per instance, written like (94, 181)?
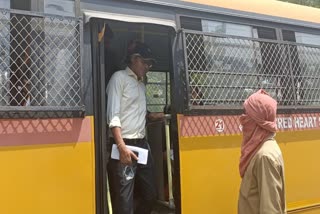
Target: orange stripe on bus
(219, 125)
(44, 131)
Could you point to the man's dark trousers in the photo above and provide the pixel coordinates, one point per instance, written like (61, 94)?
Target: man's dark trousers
(122, 189)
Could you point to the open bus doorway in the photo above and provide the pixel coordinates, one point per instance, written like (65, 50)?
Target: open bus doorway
(114, 37)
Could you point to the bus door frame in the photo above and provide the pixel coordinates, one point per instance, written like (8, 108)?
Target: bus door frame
(96, 20)
(99, 103)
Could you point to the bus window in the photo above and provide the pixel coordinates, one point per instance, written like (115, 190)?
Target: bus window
(274, 77)
(202, 59)
(41, 58)
(196, 59)
(305, 66)
(158, 91)
(226, 28)
(226, 51)
(294, 59)
(57, 7)
(191, 23)
(222, 60)
(5, 55)
(306, 38)
(231, 61)
(4, 4)
(60, 7)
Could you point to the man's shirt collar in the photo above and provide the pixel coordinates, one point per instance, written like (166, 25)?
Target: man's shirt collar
(131, 73)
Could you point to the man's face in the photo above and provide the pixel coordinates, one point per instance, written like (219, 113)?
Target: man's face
(140, 66)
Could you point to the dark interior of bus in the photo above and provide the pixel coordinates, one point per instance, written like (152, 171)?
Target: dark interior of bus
(117, 36)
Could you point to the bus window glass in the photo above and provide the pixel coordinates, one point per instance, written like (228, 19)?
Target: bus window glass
(60, 7)
(61, 84)
(225, 70)
(191, 23)
(305, 66)
(309, 39)
(40, 58)
(158, 91)
(56, 7)
(309, 81)
(213, 26)
(238, 30)
(216, 27)
(273, 77)
(4, 54)
(225, 60)
(229, 73)
(5, 4)
(226, 28)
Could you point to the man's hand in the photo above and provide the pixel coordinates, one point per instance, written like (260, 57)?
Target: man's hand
(126, 155)
(155, 116)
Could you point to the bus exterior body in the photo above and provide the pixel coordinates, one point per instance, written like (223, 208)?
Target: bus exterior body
(213, 55)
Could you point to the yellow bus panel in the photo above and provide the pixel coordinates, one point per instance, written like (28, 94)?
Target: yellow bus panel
(209, 173)
(47, 177)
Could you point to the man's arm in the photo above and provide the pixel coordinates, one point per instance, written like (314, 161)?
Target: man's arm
(114, 91)
(126, 154)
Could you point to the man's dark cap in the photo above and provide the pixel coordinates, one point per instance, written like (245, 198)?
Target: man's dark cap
(141, 49)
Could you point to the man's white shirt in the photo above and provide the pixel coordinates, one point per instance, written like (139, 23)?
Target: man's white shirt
(126, 103)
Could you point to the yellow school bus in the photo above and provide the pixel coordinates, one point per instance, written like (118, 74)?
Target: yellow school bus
(56, 60)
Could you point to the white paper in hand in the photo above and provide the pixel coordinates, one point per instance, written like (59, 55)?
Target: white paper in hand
(142, 153)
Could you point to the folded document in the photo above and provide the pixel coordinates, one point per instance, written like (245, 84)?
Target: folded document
(142, 153)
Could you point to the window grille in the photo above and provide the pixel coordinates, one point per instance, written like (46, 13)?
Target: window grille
(158, 91)
(40, 63)
(224, 70)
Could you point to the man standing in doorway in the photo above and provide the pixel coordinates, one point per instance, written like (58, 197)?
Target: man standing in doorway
(126, 117)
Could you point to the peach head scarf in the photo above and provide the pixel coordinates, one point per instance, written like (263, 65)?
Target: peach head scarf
(258, 123)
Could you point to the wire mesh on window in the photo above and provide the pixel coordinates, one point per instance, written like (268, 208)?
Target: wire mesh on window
(224, 70)
(158, 91)
(307, 75)
(40, 60)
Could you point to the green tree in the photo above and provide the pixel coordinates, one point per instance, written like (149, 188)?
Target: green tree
(311, 3)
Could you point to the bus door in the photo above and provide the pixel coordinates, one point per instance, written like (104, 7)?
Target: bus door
(110, 37)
